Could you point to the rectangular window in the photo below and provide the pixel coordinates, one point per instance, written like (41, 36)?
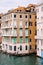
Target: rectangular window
(26, 24)
(36, 17)
(30, 47)
(30, 23)
(41, 42)
(26, 32)
(0, 24)
(14, 48)
(35, 46)
(3, 45)
(15, 32)
(7, 39)
(10, 47)
(35, 23)
(30, 32)
(26, 47)
(21, 40)
(6, 30)
(7, 23)
(15, 40)
(30, 40)
(35, 32)
(0, 17)
(30, 16)
(20, 48)
(26, 16)
(20, 24)
(37, 10)
(14, 16)
(26, 39)
(41, 8)
(20, 16)
(15, 24)
(21, 32)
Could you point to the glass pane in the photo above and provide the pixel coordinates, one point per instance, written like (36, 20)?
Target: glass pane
(21, 40)
(14, 23)
(20, 23)
(14, 40)
(26, 39)
(15, 32)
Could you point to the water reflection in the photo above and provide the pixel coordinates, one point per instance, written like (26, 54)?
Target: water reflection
(26, 60)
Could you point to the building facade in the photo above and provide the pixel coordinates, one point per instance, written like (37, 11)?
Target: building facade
(39, 36)
(0, 28)
(16, 27)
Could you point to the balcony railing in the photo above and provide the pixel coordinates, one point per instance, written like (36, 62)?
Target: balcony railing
(6, 27)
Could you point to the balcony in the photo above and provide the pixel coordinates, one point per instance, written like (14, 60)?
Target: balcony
(4, 27)
(21, 27)
(15, 26)
(6, 34)
(15, 35)
(21, 35)
(26, 34)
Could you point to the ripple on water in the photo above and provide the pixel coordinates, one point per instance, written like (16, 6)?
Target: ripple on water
(13, 60)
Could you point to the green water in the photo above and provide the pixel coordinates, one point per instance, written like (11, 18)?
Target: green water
(13, 60)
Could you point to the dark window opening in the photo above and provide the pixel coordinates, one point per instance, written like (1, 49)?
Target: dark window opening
(30, 23)
(14, 16)
(26, 16)
(14, 48)
(36, 17)
(30, 39)
(30, 47)
(25, 47)
(30, 16)
(20, 48)
(0, 24)
(35, 32)
(30, 32)
(35, 46)
(0, 17)
(20, 16)
(10, 47)
(35, 24)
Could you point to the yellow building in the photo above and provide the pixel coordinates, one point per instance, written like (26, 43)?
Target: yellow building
(18, 28)
(32, 28)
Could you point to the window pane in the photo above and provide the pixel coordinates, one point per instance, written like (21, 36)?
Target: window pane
(20, 40)
(20, 48)
(26, 32)
(20, 23)
(21, 32)
(30, 47)
(14, 48)
(14, 40)
(25, 47)
(14, 23)
(14, 32)
(14, 16)
(10, 47)
(20, 16)
(26, 39)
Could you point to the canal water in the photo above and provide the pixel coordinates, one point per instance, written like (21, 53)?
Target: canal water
(14, 60)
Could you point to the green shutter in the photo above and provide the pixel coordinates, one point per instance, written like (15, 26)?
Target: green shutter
(14, 40)
(20, 40)
(26, 39)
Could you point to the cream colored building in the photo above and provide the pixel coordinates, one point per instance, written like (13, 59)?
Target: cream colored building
(15, 27)
(39, 36)
(0, 28)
